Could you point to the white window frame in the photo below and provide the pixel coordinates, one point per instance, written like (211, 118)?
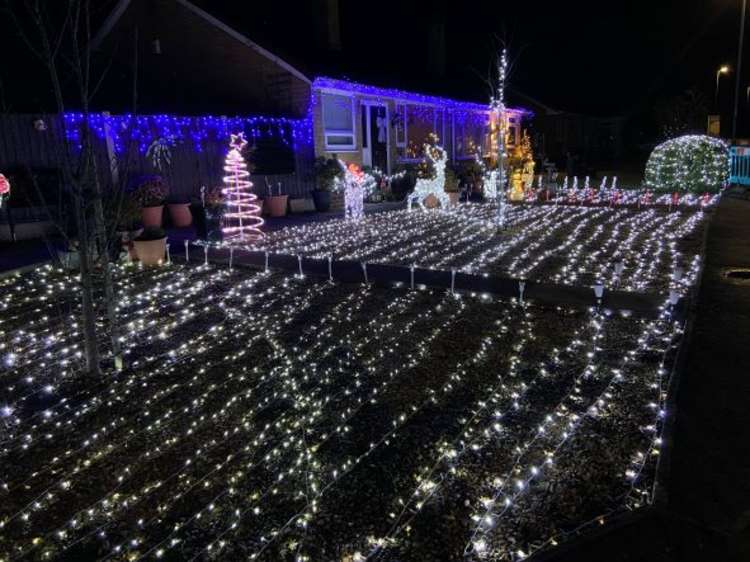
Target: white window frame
(351, 147)
(400, 109)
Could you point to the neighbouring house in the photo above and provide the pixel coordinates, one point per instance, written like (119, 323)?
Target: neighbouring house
(595, 142)
(191, 69)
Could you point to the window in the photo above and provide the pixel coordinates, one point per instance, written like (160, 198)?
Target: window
(470, 133)
(338, 121)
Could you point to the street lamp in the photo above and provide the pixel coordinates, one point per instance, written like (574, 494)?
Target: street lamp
(724, 69)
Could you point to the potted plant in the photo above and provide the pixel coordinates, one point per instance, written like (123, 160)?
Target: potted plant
(326, 172)
(151, 245)
(128, 222)
(451, 186)
(213, 206)
(151, 194)
(276, 204)
(179, 212)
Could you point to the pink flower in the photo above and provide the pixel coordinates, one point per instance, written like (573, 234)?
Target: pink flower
(4, 185)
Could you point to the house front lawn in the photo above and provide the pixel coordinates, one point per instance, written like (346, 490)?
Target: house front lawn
(267, 417)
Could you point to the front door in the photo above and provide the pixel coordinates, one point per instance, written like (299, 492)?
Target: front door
(375, 136)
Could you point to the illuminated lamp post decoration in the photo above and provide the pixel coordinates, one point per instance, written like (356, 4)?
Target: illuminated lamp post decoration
(242, 219)
(497, 106)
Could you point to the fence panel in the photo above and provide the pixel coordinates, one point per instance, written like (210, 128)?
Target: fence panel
(740, 171)
(24, 145)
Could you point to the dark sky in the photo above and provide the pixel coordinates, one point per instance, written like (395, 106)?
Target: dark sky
(599, 57)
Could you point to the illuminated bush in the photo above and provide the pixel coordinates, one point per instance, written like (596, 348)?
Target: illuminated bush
(694, 163)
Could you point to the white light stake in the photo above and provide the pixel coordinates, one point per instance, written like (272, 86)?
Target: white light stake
(674, 297)
(412, 276)
(364, 270)
(205, 255)
(619, 267)
(521, 289)
(169, 257)
(330, 268)
(231, 256)
(266, 261)
(679, 271)
(299, 261)
(599, 291)
(187, 251)
(453, 281)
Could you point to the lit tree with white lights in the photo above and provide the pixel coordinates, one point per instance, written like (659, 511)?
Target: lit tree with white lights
(497, 107)
(242, 219)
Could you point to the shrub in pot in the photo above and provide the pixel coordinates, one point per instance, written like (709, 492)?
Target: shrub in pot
(128, 216)
(151, 194)
(451, 186)
(213, 206)
(151, 245)
(326, 172)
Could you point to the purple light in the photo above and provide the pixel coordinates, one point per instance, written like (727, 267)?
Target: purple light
(142, 130)
(322, 82)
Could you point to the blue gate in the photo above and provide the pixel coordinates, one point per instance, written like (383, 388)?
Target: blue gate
(740, 171)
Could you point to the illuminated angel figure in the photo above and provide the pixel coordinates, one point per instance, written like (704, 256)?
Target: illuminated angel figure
(356, 185)
(437, 157)
(242, 220)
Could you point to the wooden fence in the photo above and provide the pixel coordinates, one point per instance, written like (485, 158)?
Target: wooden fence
(25, 143)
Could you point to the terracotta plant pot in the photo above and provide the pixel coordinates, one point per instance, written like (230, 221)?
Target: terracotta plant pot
(276, 205)
(151, 216)
(453, 197)
(180, 213)
(431, 202)
(151, 252)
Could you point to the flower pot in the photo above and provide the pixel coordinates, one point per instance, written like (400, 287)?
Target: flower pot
(277, 205)
(151, 252)
(151, 216)
(180, 213)
(431, 202)
(322, 200)
(453, 197)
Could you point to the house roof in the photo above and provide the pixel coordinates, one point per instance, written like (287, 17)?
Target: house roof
(217, 69)
(335, 84)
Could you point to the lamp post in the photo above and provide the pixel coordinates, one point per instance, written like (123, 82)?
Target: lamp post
(724, 69)
(739, 70)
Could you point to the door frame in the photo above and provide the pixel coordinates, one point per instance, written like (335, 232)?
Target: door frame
(367, 151)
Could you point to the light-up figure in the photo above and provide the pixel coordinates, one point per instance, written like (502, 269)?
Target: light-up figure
(357, 184)
(437, 157)
(242, 219)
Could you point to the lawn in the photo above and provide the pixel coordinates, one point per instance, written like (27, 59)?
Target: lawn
(264, 416)
(572, 245)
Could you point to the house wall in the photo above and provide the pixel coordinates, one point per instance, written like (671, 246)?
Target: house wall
(355, 155)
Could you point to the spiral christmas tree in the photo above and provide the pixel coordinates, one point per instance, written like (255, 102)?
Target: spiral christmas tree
(242, 219)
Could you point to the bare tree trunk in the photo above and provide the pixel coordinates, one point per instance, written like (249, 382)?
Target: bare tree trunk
(105, 263)
(87, 290)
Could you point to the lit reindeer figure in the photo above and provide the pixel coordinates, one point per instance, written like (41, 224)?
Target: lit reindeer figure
(437, 156)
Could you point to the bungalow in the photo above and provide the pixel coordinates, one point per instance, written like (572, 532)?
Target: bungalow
(379, 127)
(188, 62)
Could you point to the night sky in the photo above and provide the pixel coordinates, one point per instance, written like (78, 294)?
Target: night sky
(592, 57)
(600, 58)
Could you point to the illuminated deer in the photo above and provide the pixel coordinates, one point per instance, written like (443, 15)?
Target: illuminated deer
(437, 156)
